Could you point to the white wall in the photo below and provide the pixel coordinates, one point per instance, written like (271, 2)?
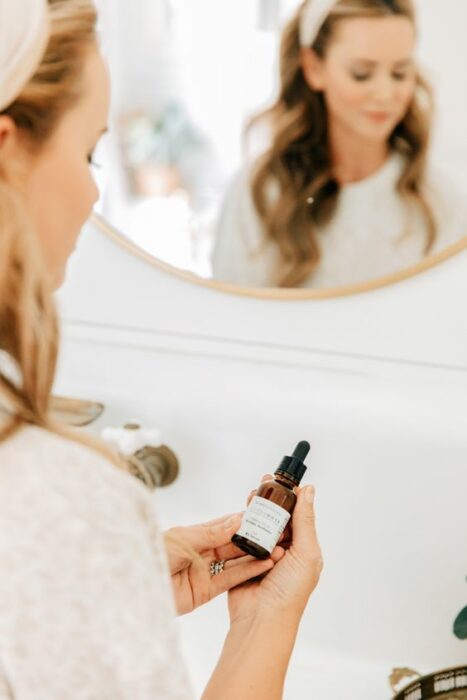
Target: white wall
(444, 51)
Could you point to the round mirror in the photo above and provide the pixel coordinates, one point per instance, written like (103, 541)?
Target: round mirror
(333, 164)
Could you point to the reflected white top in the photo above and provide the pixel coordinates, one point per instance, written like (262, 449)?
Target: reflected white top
(86, 607)
(365, 239)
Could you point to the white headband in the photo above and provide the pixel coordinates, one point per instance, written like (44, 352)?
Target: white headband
(24, 33)
(312, 19)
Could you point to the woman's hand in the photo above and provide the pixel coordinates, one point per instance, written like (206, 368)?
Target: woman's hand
(265, 615)
(295, 574)
(190, 552)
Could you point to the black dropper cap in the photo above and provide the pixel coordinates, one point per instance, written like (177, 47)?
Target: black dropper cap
(293, 466)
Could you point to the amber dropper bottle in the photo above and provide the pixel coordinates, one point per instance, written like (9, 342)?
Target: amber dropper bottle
(267, 515)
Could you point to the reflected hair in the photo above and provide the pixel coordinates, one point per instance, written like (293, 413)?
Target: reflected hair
(297, 165)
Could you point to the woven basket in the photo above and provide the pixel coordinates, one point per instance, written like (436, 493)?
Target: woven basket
(450, 684)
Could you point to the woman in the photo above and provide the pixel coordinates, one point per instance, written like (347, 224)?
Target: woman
(89, 588)
(342, 194)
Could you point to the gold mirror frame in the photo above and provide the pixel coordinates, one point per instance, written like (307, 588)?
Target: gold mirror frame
(280, 294)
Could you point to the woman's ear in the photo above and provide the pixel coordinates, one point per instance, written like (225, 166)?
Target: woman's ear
(13, 155)
(8, 132)
(313, 69)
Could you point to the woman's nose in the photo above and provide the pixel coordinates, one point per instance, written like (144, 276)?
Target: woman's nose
(384, 90)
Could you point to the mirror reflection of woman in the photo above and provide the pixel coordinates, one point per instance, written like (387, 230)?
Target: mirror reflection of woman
(344, 192)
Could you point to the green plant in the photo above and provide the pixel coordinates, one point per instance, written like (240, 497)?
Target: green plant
(460, 624)
(163, 140)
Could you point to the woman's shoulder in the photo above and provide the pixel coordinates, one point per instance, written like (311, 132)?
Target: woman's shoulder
(66, 472)
(35, 448)
(62, 501)
(239, 254)
(85, 598)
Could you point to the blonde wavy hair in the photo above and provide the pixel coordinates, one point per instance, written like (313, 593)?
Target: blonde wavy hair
(29, 335)
(298, 161)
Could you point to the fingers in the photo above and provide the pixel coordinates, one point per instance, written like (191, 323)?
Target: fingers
(266, 477)
(232, 553)
(238, 572)
(215, 534)
(305, 539)
(229, 551)
(251, 495)
(276, 554)
(242, 569)
(219, 521)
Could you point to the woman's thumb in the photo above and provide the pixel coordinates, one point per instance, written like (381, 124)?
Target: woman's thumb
(305, 538)
(213, 534)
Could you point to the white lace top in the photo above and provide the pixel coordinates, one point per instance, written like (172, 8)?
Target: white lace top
(86, 607)
(363, 241)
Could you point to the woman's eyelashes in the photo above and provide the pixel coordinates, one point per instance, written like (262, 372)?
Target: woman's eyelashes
(362, 77)
(91, 157)
(93, 163)
(401, 76)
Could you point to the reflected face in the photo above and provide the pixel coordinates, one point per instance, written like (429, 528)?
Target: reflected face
(367, 76)
(60, 187)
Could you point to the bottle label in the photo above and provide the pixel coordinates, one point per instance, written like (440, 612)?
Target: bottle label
(263, 523)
